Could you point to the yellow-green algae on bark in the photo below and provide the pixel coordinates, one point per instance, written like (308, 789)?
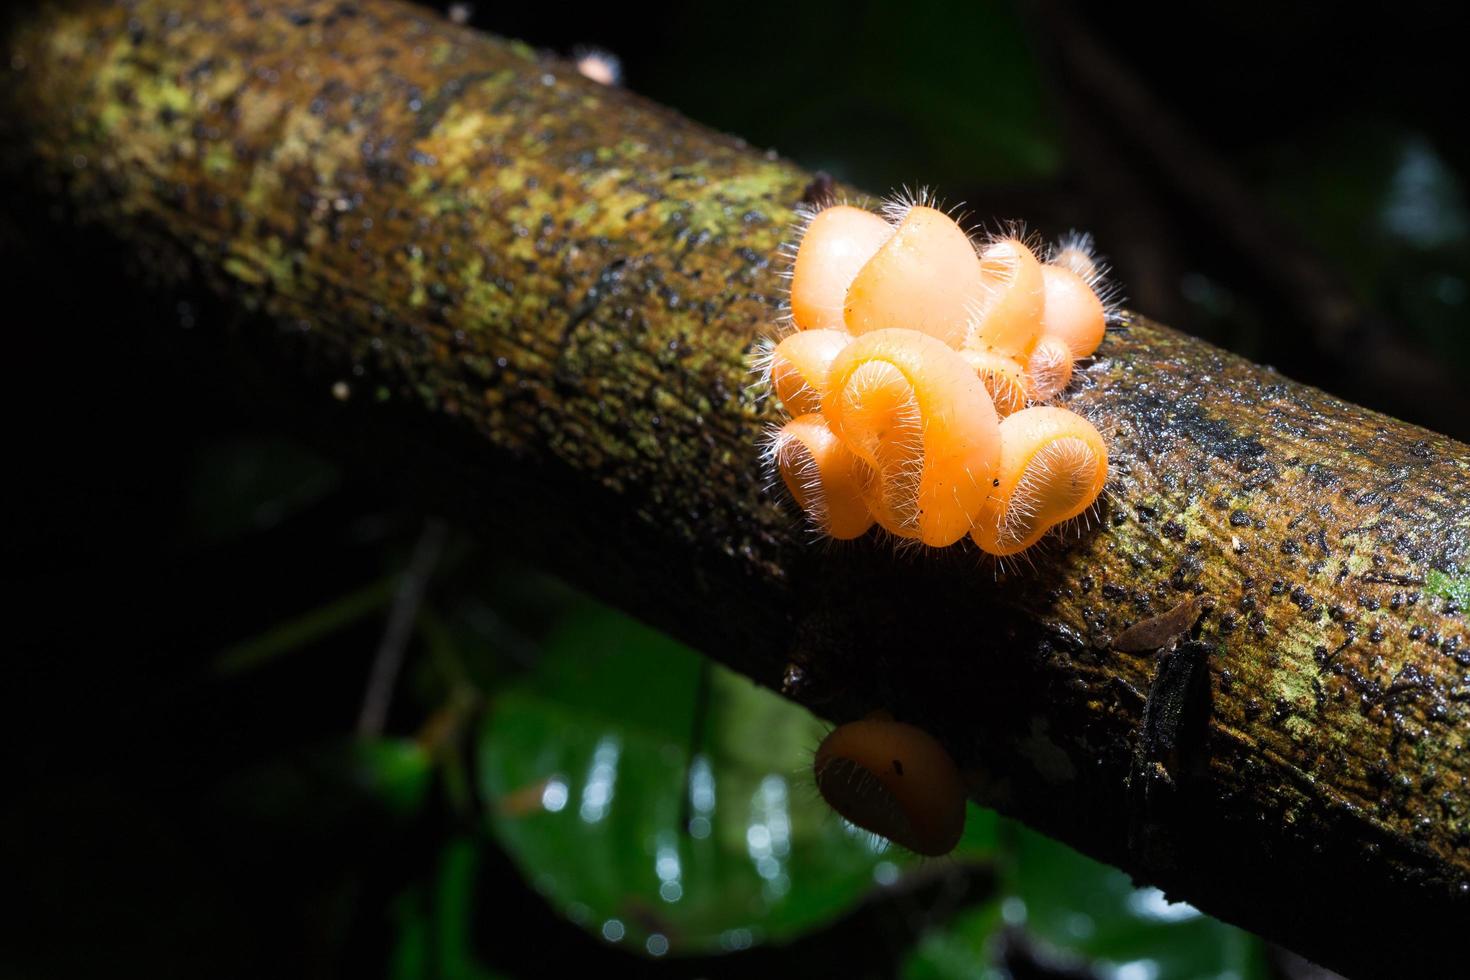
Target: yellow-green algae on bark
(563, 283)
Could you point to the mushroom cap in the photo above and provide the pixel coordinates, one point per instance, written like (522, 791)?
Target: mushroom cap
(1004, 379)
(1053, 465)
(837, 242)
(1008, 319)
(799, 367)
(1073, 312)
(827, 480)
(1048, 369)
(910, 405)
(926, 277)
(895, 780)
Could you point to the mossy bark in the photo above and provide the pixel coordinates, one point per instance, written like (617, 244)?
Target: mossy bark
(544, 294)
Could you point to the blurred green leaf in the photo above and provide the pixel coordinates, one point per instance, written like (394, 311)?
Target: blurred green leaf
(980, 840)
(1072, 904)
(1075, 903)
(595, 794)
(434, 924)
(409, 959)
(964, 948)
(396, 771)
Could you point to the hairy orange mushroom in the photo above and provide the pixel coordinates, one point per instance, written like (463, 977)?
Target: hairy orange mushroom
(1074, 251)
(911, 375)
(1073, 312)
(835, 245)
(926, 277)
(911, 407)
(798, 367)
(827, 480)
(1048, 369)
(1008, 319)
(1053, 465)
(1004, 378)
(895, 780)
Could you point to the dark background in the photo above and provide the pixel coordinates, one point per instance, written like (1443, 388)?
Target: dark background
(1287, 182)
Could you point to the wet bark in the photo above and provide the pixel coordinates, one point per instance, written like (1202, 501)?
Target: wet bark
(540, 297)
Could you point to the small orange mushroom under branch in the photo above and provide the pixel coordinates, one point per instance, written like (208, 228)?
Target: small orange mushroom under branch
(917, 378)
(895, 780)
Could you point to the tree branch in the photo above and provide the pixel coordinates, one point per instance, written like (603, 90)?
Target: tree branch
(555, 288)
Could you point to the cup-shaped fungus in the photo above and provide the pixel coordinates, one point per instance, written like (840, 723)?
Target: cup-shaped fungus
(1048, 369)
(1074, 251)
(1004, 379)
(911, 407)
(895, 780)
(877, 407)
(1073, 312)
(1053, 465)
(926, 277)
(837, 242)
(827, 480)
(799, 366)
(1008, 320)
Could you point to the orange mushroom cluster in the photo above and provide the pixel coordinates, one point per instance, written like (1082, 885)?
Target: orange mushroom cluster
(916, 378)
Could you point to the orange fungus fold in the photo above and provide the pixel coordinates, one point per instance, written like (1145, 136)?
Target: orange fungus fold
(910, 406)
(836, 244)
(827, 480)
(926, 277)
(799, 368)
(1053, 465)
